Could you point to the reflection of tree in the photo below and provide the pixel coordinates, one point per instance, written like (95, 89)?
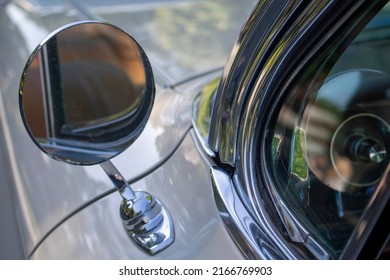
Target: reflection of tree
(200, 37)
(207, 31)
(204, 107)
(185, 38)
(299, 164)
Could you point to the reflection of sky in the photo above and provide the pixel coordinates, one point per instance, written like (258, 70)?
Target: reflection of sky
(340, 90)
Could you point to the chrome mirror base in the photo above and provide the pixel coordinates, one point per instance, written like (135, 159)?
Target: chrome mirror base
(148, 223)
(144, 217)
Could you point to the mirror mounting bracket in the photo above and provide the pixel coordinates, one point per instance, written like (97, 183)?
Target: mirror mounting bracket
(144, 217)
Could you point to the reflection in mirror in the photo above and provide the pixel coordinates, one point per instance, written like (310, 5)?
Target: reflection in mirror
(86, 93)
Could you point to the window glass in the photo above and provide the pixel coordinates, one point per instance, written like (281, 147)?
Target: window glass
(331, 147)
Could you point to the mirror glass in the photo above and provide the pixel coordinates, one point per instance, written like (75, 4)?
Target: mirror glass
(86, 93)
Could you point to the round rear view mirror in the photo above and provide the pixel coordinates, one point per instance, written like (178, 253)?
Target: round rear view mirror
(86, 93)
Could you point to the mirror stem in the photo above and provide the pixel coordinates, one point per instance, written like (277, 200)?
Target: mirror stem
(120, 183)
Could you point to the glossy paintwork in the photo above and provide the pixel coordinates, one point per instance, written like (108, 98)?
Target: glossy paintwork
(97, 231)
(46, 191)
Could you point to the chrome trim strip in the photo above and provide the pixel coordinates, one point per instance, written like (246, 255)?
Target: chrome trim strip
(198, 133)
(202, 141)
(246, 233)
(258, 38)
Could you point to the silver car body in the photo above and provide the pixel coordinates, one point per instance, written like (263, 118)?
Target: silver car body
(71, 212)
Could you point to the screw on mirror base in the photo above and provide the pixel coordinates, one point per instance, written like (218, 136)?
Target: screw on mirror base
(147, 222)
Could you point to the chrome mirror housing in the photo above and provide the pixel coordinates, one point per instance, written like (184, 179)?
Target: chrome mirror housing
(85, 95)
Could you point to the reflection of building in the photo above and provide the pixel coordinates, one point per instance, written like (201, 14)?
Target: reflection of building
(104, 44)
(88, 73)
